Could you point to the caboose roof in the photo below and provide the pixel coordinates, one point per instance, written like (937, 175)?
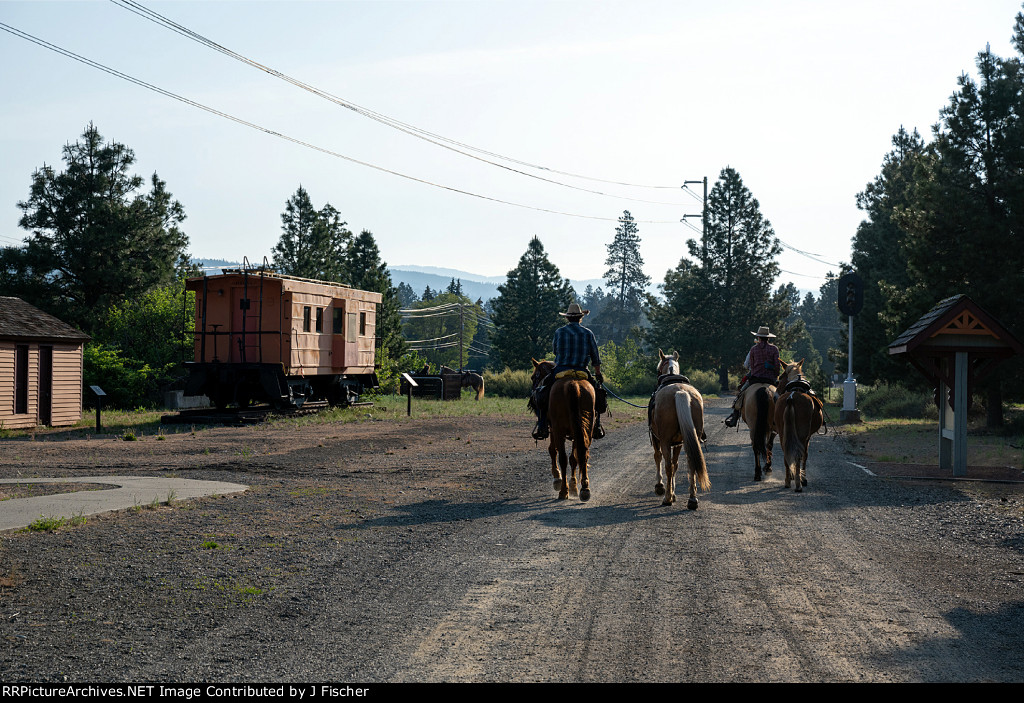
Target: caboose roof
(288, 283)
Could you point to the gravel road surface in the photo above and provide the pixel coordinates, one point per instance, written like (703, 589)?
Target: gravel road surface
(436, 550)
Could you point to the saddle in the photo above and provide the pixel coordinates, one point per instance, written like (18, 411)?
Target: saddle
(800, 385)
(666, 379)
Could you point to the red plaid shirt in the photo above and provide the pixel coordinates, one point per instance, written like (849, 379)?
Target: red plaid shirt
(764, 361)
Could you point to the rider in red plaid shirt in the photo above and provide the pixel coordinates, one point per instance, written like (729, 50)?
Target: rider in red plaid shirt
(764, 366)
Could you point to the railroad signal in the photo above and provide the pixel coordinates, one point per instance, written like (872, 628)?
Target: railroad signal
(851, 293)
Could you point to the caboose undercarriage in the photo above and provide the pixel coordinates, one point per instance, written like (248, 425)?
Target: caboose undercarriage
(243, 384)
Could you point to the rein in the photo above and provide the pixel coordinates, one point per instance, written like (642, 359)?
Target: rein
(613, 395)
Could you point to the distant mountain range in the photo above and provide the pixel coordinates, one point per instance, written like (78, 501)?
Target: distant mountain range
(474, 286)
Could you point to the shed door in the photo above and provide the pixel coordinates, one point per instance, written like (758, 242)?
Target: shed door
(45, 385)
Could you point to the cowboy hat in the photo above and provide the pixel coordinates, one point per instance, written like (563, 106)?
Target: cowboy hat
(574, 311)
(762, 331)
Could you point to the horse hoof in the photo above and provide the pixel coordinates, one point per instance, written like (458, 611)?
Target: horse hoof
(667, 501)
(557, 484)
(692, 504)
(803, 481)
(563, 495)
(757, 477)
(585, 495)
(659, 489)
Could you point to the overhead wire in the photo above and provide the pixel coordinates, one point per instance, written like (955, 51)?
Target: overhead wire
(149, 86)
(431, 137)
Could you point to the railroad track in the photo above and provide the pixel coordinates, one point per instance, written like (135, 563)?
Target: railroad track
(245, 416)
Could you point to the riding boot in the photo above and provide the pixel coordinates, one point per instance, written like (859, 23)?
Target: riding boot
(733, 419)
(598, 432)
(541, 430)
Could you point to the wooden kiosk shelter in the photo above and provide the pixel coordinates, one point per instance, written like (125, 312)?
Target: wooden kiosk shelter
(955, 345)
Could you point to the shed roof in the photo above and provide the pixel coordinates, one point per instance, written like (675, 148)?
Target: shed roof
(19, 320)
(957, 322)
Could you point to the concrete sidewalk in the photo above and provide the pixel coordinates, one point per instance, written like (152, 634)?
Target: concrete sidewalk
(127, 492)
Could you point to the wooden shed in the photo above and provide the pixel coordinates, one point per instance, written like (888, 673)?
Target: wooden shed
(40, 367)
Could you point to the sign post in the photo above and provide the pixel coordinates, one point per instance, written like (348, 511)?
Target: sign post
(408, 391)
(99, 405)
(851, 300)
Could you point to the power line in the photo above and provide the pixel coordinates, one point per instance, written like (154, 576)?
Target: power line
(431, 137)
(149, 86)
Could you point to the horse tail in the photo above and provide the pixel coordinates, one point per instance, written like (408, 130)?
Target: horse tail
(760, 436)
(691, 443)
(479, 380)
(794, 446)
(580, 438)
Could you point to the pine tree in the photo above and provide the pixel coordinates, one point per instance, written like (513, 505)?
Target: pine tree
(878, 258)
(313, 243)
(626, 279)
(711, 307)
(364, 269)
(95, 240)
(526, 309)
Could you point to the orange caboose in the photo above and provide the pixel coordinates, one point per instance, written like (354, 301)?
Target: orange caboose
(262, 336)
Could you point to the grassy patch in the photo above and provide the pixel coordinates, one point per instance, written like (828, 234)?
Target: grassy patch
(916, 441)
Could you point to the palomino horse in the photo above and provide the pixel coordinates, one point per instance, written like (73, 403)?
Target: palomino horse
(798, 415)
(571, 416)
(759, 414)
(676, 422)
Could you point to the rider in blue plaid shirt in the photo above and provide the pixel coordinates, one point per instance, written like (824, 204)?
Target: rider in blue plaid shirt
(574, 345)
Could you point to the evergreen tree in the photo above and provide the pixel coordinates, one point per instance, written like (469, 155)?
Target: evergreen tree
(313, 243)
(626, 279)
(877, 257)
(406, 295)
(526, 308)
(964, 226)
(95, 240)
(711, 307)
(365, 270)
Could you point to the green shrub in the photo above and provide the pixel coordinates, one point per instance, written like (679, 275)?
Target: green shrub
(704, 381)
(127, 383)
(890, 400)
(508, 383)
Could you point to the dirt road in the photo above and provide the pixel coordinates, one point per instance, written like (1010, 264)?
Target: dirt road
(447, 557)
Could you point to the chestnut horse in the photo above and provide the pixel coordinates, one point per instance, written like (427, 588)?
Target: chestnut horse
(676, 422)
(571, 416)
(798, 415)
(759, 415)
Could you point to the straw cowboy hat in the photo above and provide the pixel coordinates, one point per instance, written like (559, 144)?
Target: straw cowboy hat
(762, 331)
(575, 311)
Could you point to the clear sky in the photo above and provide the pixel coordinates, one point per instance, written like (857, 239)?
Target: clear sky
(801, 98)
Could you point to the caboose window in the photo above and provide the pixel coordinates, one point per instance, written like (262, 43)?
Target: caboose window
(338, 323)
(362, 324)
(319, 319)
(307, 321)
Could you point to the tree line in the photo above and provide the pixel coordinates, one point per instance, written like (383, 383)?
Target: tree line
(942, 217)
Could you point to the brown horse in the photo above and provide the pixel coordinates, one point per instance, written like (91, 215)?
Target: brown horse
(759, 415)
(798, 415)
(571, 416)
(677, 423)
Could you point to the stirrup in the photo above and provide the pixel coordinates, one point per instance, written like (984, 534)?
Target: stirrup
(733, 419)
(598, 431)
(540, 432)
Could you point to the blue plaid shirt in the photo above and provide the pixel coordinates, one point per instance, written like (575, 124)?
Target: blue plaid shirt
(574, 346)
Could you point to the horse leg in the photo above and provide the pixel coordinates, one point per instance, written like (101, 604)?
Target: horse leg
(573, 463)
(584, 458)
(563, 463)
(671, 466)
(659, 485)
(555, 474)
(768, 463)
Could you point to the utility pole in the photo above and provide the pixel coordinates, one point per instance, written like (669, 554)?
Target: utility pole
(703, 220)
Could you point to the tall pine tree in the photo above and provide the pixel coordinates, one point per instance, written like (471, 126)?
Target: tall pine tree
(626, 281)
(526, 308)
(713, 302)
(95, 238)
(313, 242)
